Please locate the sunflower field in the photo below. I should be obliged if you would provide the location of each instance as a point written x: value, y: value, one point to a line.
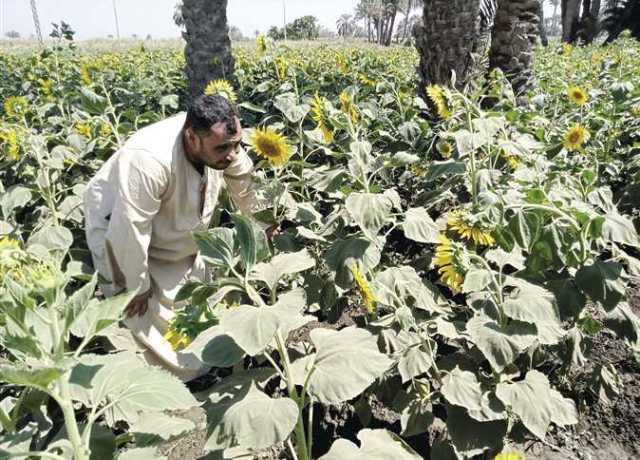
x: 442, y: 270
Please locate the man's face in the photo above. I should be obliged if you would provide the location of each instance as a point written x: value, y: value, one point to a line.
x: 217, y: 148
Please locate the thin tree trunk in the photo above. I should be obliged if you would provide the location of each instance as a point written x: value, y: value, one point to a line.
x: 570, y: 19
x: 208, y: 49
x: 391, y: 26
x: 555, y: 17
x: 541, y: 27
x: 514, y: 33
x: 445, y: 40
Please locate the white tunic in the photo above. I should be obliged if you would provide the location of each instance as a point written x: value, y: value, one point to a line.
x: 140, y: 210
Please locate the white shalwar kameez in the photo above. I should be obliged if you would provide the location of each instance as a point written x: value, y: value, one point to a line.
x: 140, y: 210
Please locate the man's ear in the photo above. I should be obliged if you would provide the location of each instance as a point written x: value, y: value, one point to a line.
x: 191, y: 137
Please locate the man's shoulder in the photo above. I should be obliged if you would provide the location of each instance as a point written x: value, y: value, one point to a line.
x: 157, y: 141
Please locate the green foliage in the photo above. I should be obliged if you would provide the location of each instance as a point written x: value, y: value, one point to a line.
x: 468, y: 254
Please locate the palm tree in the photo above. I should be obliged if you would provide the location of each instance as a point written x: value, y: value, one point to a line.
x: 514, y: 34
x: 570, y: 11
x: 345, y: 25
x: 208, y: 49
x: 449, y: 33
x: 621, y: 15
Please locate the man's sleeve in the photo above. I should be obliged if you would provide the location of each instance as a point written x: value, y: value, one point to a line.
x: 141, y: 182
x: 242, y: 188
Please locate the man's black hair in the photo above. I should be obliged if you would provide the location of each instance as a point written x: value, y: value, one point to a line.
x: 205, y: 111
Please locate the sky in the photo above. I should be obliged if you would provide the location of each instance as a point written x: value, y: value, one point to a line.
x: 95, y: 18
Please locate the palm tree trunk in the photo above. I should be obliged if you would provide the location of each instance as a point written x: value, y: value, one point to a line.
x: 570, y: 11
x: 555, y: 17
x: 208, y: 49
x: 445, y: 40
x: 541, y: 27
x: 392, y: 24
x: 514, y: 34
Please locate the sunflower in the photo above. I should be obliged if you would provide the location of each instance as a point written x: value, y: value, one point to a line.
x: 575, y: 137
x: 509, y: 455
x: 281, y: 67
x: 82, y: 128
x: 366, y: 80
x: 439, y: 100
x: 8, y: 244
x: 46, y: 86
x: 445, y: 148
x: 458, y: 222
x: 418, y: 170
x: 450, y: 269
x: 15, y: 106
x: 348, y: 106
x: 342, y: 62
x: 105, y: 129
x: 368, y: 298
x: 578, y: 95
x: 272, y: 145
x: 221, y: 87
x: 567, y: 49
x: 261, y: 42
x: 9, y: 140
x: 85, y: 75
x: 320, y: 117
x: 177, y: 339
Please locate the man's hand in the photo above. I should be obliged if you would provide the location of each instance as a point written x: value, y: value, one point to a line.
x: 138, y: 305
x: 272, y: 231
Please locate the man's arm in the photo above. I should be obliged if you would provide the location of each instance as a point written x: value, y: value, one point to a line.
x: 242, y: 188
x: 141, y: 182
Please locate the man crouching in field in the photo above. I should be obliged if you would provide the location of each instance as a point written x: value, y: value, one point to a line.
x: 145, y: 201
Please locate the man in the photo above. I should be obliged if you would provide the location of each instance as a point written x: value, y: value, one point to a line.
x: 147, y: 199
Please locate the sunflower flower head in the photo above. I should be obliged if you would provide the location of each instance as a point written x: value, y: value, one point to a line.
x: 83, y: 128
x: 319, y: 115
x: 15, y: 106
x: 347, y: 105
x: 177, y: 339
x: 575, y: 137
x: 8, y: 244
x: 469, y: 229
x: 366, y: 80
x: 578, y: 95
x: 10, y: 143
x: 445, y: 149
x: 418, y: 170
x: 46, y: 86
x: 438, y: 98
x: 105, y: 129
x: 221, y: 87
x: 567, y: 49
x: 85, y: 74
x: 509, y: 455
x: 271, y: 145
x: 450, y: 262
x: 281, y: 67
x: 342, y: 62
x: 368, y: 299
x: 261, y: 43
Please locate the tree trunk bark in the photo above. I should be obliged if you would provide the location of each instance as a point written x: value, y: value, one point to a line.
x: 391, y: 26
x: 555, y: 17
x: 208, y: 49
x: 541, y: 27
x: 445, y: 40
x: 570, y: 19
x: 514, y: 34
